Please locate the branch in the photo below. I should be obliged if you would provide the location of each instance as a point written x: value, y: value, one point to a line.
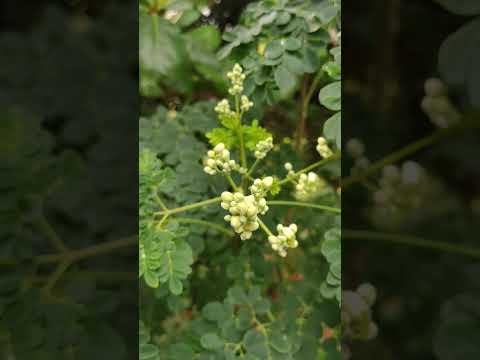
x: 409, y: 150
x: 189, y: 207
x: 320, y: 163
x: 411, y: 241
x: 305, y: 204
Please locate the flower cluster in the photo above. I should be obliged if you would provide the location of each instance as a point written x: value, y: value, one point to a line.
x: 356, y: 149
x: 285, y: 239
x: 263, y: 147
x: 223, y: 108
x: 356, y: 316
x: 400, y: 187
x: 437, y: 105
x: 260, y: 187
x: 236, y: 77
x: 218, y: 160
x: 289, y: 167
x: 244, y: 212
x: 323, y: 148
x: 246, y: 104
x: 309, y: 186
x: 407, y: 193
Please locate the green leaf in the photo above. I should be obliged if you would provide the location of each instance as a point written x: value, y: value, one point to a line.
x: 293, y: 44
x: 149, y: 352
x: 274, y: 49
x: 211, y: 341
x: 256, y: 344
x: 220, y: 135
x: 176, y: 260
x: 331, y: 96
x: 285, y: 79
x: 280, y: 342
x: 180, y: 351
x: 188, y: 17
x: 458, y: 59
x: 332, y: 250
x: 161, y: 48
x: 283, y: 18
x: 253, y: 134
x: 332, y: 130
x: 294, y: 64
x: 461, y: 7
x: 214, y: 311
x: 206, y: 36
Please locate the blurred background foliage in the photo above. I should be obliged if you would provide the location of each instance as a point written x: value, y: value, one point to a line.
x: 286, y: 49
x: 428, y: 301
x: 68, y: 170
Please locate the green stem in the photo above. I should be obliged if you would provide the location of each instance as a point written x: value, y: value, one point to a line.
x: 46, y: 229
x: 265, y: 228
x: 305, y: 204
x: 231, y: 182
x: 243, y: 156
x: 411, y: 241
x: 56, y: 275
x: 409, y: 150
x: 105, y: 276
x: 313, y: 86
x: 212, y: 225
x: 320, y: 163
x: 163, y: 219
x: 160, y: 202
x: 89, y: 252
x: 189, y: 207
x: 257, y: 161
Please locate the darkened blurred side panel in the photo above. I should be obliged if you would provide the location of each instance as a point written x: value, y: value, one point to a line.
x: 68, y: 180
x: 411, y: 179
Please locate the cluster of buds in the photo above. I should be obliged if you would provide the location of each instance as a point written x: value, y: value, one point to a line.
x: 356, y: 315
x: 437, y: 105
x: 323, y: 148
x: 285, y: 239
x: 223, y: 108
x: 236, y: 77
x: 218, y: 160
x: 263, y: 147
x: 309, y: 186
x: 400, y: 187
x: 405, y: 194
x: 246, y: 104
x: 356, y: 149
x: 260, y: 187
x: 244, y: 212
x: 289, y: 167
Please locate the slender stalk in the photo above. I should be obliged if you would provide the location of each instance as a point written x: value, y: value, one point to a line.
x: 409, y: 150
x: 252, y: 168
x: 160, y: 202
x: 231, y: 182
x: 306, y: 94
x: 189, y: 207
x: 46, y: 229
x: 56, y: 275
x: 163, y: 219
x: 265, y: 228
x: 209, y: 224
x: 105, y: 276
x: 305, y: 204
x: 243, y: 156
x: 411, y: 241
x: 315, y: 165
x: 92, y: 251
